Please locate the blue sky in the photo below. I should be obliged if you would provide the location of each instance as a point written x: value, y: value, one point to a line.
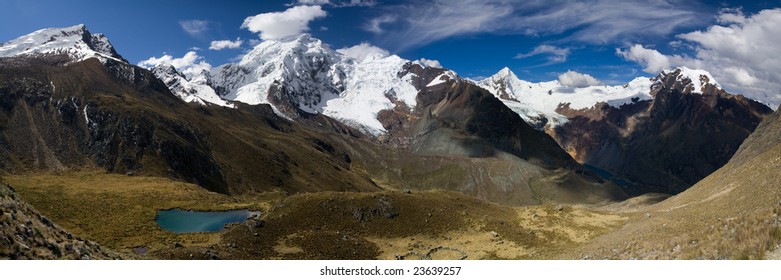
x: 538, y: 40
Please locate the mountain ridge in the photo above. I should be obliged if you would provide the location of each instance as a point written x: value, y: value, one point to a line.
x: 125, y: 119
x: 380, y: 94
x: 75, y: 41
x: 667, y: 143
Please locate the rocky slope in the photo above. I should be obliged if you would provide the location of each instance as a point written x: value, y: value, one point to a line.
x: 121, y: 118
x: 26, y: 234
x: 666, y: 144
x: 659, y: 135
x: 483, y: 148
x: 731, y: 214
x: 481, y: 125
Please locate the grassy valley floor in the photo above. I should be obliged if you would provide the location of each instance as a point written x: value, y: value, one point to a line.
x: 118, y: 212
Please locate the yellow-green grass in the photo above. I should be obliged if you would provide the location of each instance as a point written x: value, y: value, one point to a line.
x: 731, y: 214
x: 118, y: 211
x: 383, y: 225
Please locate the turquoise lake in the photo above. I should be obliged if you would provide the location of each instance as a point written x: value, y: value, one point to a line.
x: 184, y: 221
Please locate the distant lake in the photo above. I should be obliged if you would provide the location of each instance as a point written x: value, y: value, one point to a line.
x: 604, y: 174
x: 184, y: 221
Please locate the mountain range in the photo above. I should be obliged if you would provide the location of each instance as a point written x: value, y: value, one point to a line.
x: 110, y: 114
x: 617, y: 131
x: 295, y: 116
x: 659, y: 134
x: 652, y: 134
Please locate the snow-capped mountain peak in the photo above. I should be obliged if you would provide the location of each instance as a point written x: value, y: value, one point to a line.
x: 195, y: 89
x: 504, y: 76
x: 302, y: 74
x: 75, y: 41
x: 505, y: 73
x: 691, y: 80
x: 165, y: 70
x: 537, y: 103
x: 287, y: 46
x: 308, y: 69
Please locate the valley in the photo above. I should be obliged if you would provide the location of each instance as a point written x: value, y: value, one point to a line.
x: 328, y: 155
x: 118, y: 211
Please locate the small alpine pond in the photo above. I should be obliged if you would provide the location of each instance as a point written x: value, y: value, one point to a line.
x: 185, y: 221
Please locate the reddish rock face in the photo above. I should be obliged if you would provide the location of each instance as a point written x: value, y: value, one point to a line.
x: 477, y: 117
x: 665, y: 144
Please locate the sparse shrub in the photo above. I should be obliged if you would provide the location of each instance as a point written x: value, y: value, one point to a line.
x: 56, y: 251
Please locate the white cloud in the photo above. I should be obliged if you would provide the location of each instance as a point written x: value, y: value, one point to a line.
x: 361, y: 51
x: 741, y: 52
x: 375, y: 25
x: 578, y: 80
x: 675, y: 44
x: 653, y: 61
x: 189, y: 64
x: 195, y: 27
x: 555, y: 54
x: 430, y: 63
x: 226, y: 44
x: 595, y: 21
x: 254, y: 42
x: 741, y: 76
x: 727, y: 16
x: 276, y: 25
